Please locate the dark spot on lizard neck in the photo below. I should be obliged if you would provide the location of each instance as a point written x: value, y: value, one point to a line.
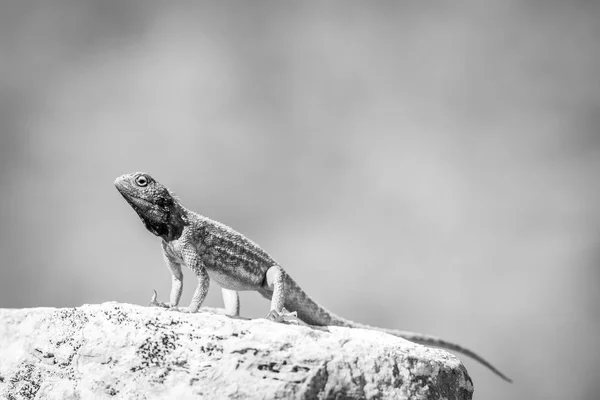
x: 177, y: 221
x: 170, y: 227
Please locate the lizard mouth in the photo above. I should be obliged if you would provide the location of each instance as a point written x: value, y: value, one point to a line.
x: 141, y: 202
x: 137, y: 203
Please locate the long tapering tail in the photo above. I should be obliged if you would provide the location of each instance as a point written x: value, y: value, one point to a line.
x: 312, y: 313
x: 427, y: 340
x: 434, y: 341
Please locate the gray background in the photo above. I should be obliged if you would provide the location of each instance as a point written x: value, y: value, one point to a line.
x: 424, y: 167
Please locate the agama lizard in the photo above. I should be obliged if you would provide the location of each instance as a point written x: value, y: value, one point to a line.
x: 215, y: 251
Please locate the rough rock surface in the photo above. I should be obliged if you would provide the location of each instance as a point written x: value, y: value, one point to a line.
x: 114, y: 350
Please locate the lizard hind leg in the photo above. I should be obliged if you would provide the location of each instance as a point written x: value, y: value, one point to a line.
x: 276, y: 284
x: 231, y: 299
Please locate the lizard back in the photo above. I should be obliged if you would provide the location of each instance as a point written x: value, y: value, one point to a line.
x: 231, y: 259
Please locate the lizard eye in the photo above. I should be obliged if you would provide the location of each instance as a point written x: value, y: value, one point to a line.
x: 141, y: 181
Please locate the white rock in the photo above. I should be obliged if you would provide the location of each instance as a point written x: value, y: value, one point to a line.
x: 116, y: 350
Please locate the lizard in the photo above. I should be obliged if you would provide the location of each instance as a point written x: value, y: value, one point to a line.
x: 214, y: 251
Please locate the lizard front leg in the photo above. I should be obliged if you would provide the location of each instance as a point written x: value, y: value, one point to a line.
x: 192, y: 260
x: 231, y: 299
x: 176, y: 282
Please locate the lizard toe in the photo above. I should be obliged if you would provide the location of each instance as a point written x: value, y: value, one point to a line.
x: 155, y: 303
x: 284, y: 317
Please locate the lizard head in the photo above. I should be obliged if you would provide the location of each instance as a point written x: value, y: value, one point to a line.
x: 157, y: 207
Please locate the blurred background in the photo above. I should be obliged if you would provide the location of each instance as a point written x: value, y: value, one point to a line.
x: 425, y: 167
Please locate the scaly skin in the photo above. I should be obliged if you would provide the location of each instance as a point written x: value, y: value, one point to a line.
x: 215, y: 251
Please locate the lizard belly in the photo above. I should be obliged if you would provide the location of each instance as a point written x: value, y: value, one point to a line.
x: 229, y: 279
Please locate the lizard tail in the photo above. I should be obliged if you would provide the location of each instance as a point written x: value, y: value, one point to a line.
x: 432, y: 341
x: 312, y: 313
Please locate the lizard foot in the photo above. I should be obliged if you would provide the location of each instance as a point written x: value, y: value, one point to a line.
x: 154, y: 303
x: 284, y: 317
x: 185, y: 310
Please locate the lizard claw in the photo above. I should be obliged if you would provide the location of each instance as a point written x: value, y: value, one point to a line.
x: 154, y: 303
x: 284, y: 317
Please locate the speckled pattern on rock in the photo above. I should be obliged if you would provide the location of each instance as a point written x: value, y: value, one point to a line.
x: 114, y: 350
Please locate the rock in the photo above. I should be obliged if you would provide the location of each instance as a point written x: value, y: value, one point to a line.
x: 114, y: 350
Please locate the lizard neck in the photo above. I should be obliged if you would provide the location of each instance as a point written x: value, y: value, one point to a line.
x: 177, y: 220
x: 169, y: 224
